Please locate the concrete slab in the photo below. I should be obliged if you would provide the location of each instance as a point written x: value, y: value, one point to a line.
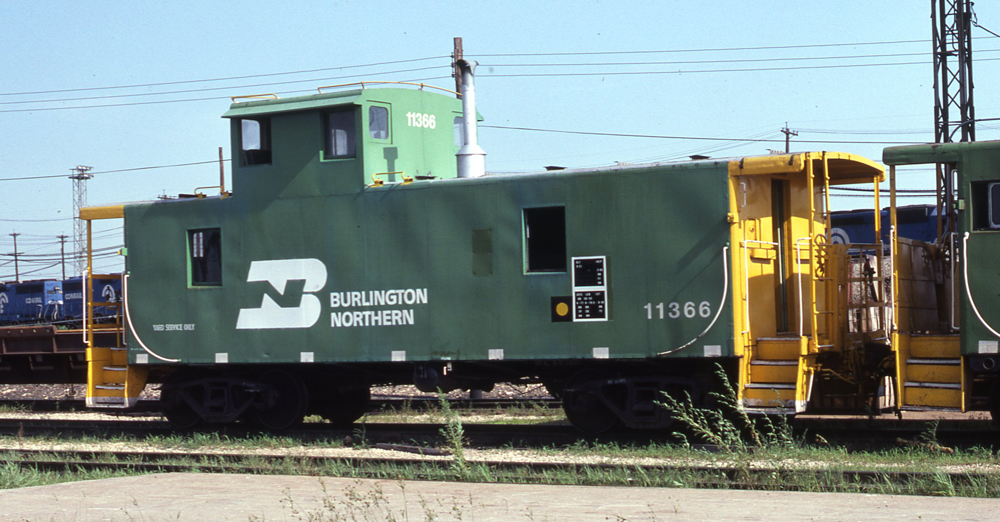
x: 196, y: 497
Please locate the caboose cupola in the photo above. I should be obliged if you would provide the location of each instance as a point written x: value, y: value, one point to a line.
x: 340, y: 142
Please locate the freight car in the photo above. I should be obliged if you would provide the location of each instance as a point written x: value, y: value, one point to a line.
x: 355, y: 250
x: 57, y: 302
x: 364, y: 243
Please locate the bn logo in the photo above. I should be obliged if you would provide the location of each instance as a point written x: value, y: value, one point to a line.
x: 278, y: 272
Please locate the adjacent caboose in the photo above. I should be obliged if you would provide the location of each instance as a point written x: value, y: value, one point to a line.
x: 947, y: 325
x: 355, y: 249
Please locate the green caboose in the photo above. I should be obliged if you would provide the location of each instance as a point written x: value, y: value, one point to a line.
x: 353, y: 251
x: 948, y: 307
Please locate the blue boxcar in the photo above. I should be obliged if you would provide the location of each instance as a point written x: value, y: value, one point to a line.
x: 858, y: 226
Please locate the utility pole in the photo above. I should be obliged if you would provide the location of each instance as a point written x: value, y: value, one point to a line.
x: 951, y: 26
x: 62, y: 253
x: 17, y: 272
x: 788, y: 134
x: 80, y: 176
x: 457, y: 55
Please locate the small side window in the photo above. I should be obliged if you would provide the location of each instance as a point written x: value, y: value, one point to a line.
x: 255, y: 141
x: 985, y: 197
x: 205, y: 250
x: 545, y: 239
x: 339, y: 135
x: 378, y: 123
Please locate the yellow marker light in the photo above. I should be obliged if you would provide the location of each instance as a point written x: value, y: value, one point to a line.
x: 562, y: 309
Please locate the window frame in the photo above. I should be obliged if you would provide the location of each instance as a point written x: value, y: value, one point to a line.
x: 203, y: 271
x: 264, y: 142
x: 324, y: 151
x: 546, y: 238
x: 388, y: 122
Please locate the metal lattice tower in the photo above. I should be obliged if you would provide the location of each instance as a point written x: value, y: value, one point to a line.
x: 951, y: 22
x: 953, y: 107
x: 80, y: 176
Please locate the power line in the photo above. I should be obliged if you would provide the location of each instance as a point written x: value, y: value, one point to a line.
x: 180, y: 82
x: 696, y: 62
x: 699, y: 71
x: 134, y: 169
x: 702, y: 138
x: 211, y: 89
x: 711, y: 49
x: 185, y: 100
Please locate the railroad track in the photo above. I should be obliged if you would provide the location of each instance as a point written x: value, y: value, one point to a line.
x: 480, y: 435
x: 700, y: 476
x: 853, y: 433
x: 377, y: 404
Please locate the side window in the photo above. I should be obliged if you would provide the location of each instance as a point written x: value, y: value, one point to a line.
x: 378, y: 122
x: 985, y: 205
x: 339, y: 135
x: 205, y: 251
x: 545, y: 239
x: 255, y: 141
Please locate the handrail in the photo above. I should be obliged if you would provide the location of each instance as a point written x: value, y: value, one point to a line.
x: 379, y: 182
x: 968, y: 291
x: 253, y: 97
x: 362, y: 84
x: 798, y: 270
x: 954, y: 305
x: 128, y: 319
x: 722, y: 304
x: 200, y: 195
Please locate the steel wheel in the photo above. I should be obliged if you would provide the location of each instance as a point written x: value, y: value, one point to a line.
x: 176, y: 409
x: 345, y: 406
x: 282, y: 404
x: 583, y: 406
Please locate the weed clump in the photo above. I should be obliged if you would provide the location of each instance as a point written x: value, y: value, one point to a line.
x: 454, y: 436
x: 728, y: 426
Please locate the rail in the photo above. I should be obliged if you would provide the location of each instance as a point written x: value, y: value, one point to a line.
x: 968, y: 290
x: 362, y: 84
x: 251, y: 97
x: 722, y: 304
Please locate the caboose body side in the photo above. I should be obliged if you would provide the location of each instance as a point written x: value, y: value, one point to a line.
x: 350, y: 253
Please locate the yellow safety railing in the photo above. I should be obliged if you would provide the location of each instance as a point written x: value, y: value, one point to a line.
x: 251, y: 97
x: 362, y: 84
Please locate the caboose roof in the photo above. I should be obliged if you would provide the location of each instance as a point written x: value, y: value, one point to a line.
x: 932, y: 152
x: 254, y: 107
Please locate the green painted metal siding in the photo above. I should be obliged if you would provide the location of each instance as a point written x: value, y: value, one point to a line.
x: 662, y: 230
x: 977, y: 164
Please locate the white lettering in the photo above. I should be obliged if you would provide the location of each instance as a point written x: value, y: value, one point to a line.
x: 373, y: 318
x: 375, y: 298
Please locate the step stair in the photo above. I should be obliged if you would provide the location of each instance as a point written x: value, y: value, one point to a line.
x: 771, y: 383
x: 931, y: 374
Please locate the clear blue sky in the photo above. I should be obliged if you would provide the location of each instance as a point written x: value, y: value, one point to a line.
x: 750, y: 92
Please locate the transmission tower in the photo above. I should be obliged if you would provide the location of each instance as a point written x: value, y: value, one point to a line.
x: 80, y: 176
x: 951, y: 23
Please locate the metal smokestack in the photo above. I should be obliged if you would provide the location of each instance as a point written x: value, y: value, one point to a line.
x: 471, y: 157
